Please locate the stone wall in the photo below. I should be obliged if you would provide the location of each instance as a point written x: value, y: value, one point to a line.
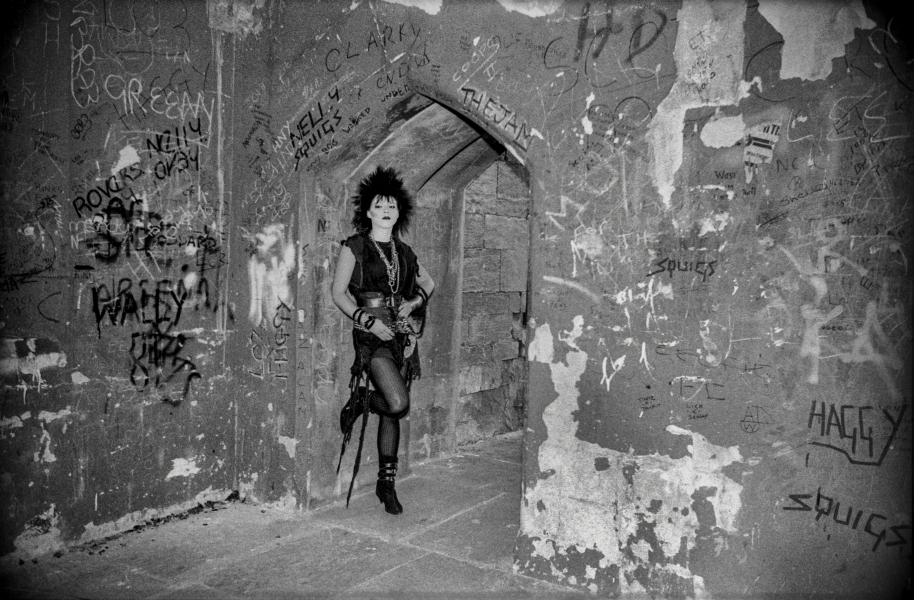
x: 496, y: 258
x: 718, y: 321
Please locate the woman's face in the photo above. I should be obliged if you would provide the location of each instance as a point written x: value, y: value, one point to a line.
x: 383, y: 212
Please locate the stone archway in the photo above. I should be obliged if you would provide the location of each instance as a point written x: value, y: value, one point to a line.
x: 438, y: 154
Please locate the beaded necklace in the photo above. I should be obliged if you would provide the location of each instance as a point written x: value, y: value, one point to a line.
x: 393, y: 270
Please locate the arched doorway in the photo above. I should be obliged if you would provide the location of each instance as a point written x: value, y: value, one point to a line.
x: 473, y: 365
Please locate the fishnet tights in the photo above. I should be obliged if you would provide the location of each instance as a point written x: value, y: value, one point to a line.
x: 391, y: 403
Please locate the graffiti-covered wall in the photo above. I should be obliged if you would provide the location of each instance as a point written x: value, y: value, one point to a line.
x: 114, y: 255
x: 718, y: 393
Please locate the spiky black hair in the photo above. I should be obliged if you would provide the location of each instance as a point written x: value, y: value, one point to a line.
x: 381, y: 182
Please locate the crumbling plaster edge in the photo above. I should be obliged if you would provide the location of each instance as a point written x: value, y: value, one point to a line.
x: 31, y: 546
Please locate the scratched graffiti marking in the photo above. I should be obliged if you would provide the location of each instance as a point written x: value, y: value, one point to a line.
x: 480, y: 103
x: 270, y: 346
x: 755, y: 417
x: 317, y: 125
x: 871, y: 344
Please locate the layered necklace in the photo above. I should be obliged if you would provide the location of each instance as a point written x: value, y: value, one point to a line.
x: 392, y: 265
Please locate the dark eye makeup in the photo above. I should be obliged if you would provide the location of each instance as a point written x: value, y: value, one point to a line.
x: 385, y: 203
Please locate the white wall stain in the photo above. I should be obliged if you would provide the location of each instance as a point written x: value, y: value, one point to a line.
x: 587, y: 508
x: 588, y: 126
x: 12, y: 364
x: 829, y: 233
x: 14, y: 422
x: 532, y: 8
x: 248, y: 487
x: 432, y: 7
x: 814, y: 318
x: 814, y: 33
x: 289, y: 443
x: 48, y: 416
x: 585, y: 121
x: 709, y: 67
x: 41, y: 536
x: 183, y: 467
x: 704, y: 468
x: 130, y: 520
x: 587, y: 245
x: 570, y: 337
x: 713, y: 224
x: 45, y: 456
x: 623, y: 296
x: 78, y: 378
x: 573, y: 285
x: 270, y: 273
x: 723, y: 132
x: 427, y: 445
x: 712, y: 356
x: 541, y: 348
x: 864, y: 350
x: 127, y: 156
x: 235, y: 16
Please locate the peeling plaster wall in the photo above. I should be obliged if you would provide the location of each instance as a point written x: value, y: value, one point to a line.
x: 709, y: 59
x: 719, y: 393
x: 658, y: 506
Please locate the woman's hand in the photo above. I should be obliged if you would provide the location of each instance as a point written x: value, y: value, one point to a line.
x: 381, y: 331
x: 408, y: 306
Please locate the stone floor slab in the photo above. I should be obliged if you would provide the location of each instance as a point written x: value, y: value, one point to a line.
x: 437, y: 574
x: 440, y: 577
x: 471, y: 471
x: 454, y: 540
x: 29, y: 594
x: 484, y: 534
x: 424, y: 504
x: 196, y: 592
x: 74, y: 571
x: 507, y: 448
x: 330, y: 559
x: 115, y: 581
x: 170, y: 551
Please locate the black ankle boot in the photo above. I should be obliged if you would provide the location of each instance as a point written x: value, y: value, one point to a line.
x: 385, y: 491
x: 352, y: 410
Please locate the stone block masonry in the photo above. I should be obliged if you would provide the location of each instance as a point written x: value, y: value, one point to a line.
x: 496, y: 258
x: 481, y: 270
x: 506, y: 233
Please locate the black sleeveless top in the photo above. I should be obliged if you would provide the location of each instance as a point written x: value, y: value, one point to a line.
x: 370, y: 273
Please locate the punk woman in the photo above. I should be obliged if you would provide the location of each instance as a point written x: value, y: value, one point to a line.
x: 381, y: 285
